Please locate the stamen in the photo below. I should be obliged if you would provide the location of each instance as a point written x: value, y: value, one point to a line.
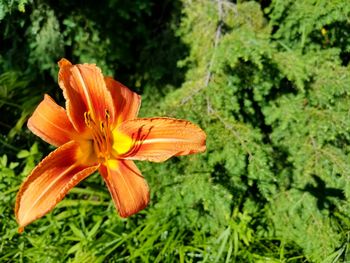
x: 87, y: 118
x: 100, y: 133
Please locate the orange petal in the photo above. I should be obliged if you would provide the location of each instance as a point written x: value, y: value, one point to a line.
x: 126, y: 102
x: 85, y: 90
x: 50, y: 122
x: 49, y: 182
x: 157, y: 139
x: 126, y: 185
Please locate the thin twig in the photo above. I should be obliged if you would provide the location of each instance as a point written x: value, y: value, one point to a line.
x: 208, y: 78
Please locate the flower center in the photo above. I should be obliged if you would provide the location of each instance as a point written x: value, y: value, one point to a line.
x: 101, y: 135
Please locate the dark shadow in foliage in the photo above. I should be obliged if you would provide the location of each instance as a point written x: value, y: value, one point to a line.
x: 246, y: 71
x: 143, y: 45
x: 252, y: 114
x: 252, y: 191
x: 323, y: 193
x: 220, y: 176
x: 284, y: 87
x: 280, y: 156
x: 332, y: 36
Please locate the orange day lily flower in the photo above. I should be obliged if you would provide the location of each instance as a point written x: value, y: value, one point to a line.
x: 99, y: 130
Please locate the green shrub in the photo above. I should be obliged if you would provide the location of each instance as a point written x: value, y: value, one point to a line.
x: 268, y: 81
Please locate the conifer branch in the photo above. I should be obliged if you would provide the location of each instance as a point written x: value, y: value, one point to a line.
x: 218, y: 33
x: 208, y: 77
x: 210, y: 109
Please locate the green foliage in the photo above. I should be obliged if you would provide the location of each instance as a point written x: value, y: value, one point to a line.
x: 45, y: 38
x: 268, y: 81
x: 10, y: 6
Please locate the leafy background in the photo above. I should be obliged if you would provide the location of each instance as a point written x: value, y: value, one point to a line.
x: 268, y: 81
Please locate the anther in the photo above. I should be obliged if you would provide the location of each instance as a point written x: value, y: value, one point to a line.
x: 87, y: 118
x: 102, y: 126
